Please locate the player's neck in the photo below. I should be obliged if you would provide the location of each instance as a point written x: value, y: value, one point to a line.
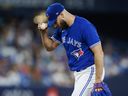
x: 70, y: 19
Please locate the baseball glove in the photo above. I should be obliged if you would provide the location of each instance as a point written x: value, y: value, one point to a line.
x: 101, y: 89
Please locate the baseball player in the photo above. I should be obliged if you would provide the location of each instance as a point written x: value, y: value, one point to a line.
x: 82, y: 44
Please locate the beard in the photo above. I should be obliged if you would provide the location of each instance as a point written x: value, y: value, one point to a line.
x: 63, y: 24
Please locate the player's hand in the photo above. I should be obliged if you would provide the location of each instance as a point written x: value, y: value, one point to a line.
x: 40, y: 18
x: 98, y: 87
x: 42, y: 26
x: 101, y: 89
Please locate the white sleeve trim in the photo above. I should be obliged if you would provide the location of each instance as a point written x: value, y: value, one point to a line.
x: 99, y: 42
x: 54, y: 39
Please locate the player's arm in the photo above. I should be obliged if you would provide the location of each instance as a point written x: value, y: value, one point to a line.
x: 100, y: 88
x: 99, y: 61
x: 92, y: 39
x: 48, y: 43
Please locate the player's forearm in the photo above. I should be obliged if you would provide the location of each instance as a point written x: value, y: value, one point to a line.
x: 47, y: 42
x: 99, y: 63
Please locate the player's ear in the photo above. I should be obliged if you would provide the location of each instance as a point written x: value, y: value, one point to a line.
x: 62, y: 14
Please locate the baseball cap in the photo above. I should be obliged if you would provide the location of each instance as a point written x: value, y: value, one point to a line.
x: 52, y: 12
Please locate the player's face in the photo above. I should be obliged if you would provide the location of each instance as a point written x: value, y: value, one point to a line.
x: 60, y: 22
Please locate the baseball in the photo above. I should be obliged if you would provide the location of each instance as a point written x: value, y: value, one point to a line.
x: 42, y: 26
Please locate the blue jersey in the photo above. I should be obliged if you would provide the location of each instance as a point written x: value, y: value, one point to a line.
x: 77, y: 41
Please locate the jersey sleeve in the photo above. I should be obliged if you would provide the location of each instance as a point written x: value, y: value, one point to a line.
x: 57, y: 36
x: 90, y: 35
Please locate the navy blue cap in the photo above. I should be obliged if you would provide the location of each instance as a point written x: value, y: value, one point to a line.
x: 52, y: 12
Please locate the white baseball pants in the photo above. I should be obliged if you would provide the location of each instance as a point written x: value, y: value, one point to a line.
x: 84, y: 81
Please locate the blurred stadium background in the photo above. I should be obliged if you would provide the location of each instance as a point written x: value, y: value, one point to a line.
x: 27, y: 69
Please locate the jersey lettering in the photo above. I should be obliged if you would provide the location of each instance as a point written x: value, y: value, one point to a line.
x: 74, y: 42
x: 63, y: 39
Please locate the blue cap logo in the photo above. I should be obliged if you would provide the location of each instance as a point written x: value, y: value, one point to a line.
x: 52, y: 12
